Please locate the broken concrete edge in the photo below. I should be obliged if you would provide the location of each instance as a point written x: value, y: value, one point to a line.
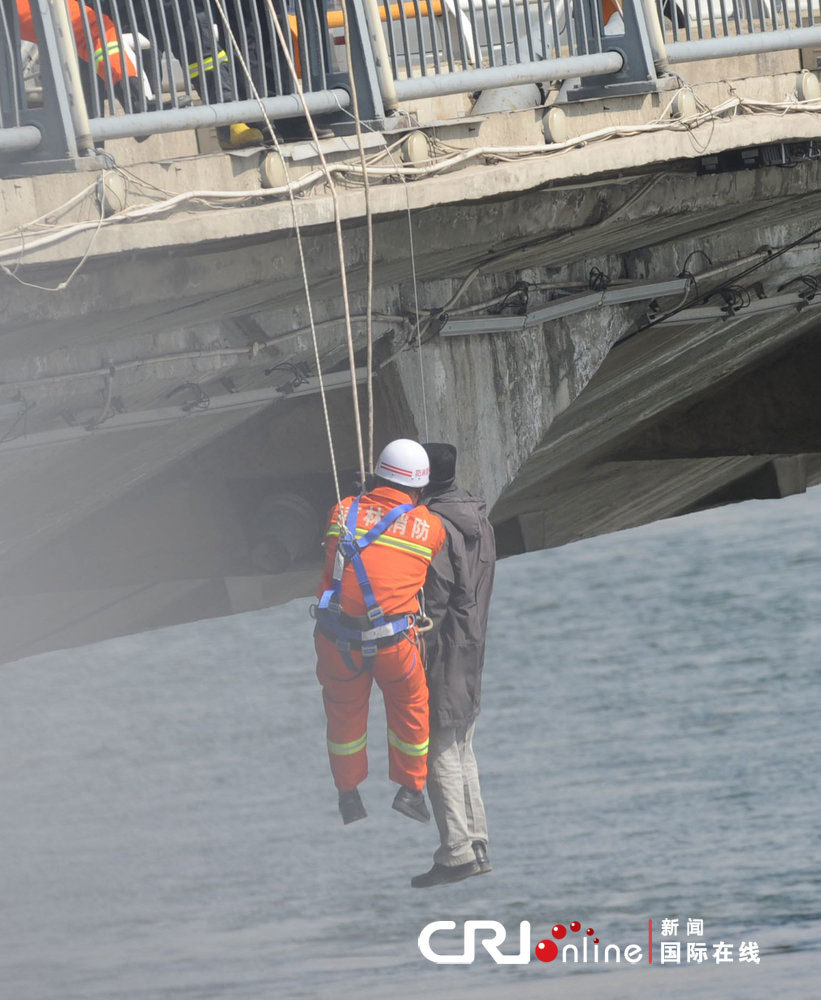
x: 632, y: 155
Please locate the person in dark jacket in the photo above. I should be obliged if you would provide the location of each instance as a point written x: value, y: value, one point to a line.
x: 457, y: 599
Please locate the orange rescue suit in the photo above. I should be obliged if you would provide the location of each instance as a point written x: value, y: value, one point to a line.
x: 116, y: 58
x: 396, y: 564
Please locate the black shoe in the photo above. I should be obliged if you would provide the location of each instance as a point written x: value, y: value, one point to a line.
x: 482, y: 859
x: 350, y: 805
x: 412, y: 803
x: 444, y: 874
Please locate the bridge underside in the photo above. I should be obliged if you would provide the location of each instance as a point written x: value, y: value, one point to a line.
x: 137, y: 495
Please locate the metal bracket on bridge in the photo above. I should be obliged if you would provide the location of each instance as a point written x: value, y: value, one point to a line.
x: 638, y: 74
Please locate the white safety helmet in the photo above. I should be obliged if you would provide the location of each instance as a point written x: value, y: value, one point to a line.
x: 404, y: 462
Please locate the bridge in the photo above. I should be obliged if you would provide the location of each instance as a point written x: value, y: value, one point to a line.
x: 580, y: 240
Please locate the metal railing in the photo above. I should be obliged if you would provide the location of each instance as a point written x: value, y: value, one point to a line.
x: 705, y: 29
x: 500, y: 42
x: 137, y: 56
x: 698, y: 19
x: 76, y: 72
x: 446, y: 35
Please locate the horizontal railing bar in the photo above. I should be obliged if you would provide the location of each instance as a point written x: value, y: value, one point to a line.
x: 465, y: 81
x: 742, y: 45
x: 19, y: 139
x: 319, y: 102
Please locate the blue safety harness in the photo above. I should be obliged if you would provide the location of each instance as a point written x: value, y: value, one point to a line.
x: 342, y: 629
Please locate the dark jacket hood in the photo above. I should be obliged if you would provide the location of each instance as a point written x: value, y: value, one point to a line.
x: 465, y: 511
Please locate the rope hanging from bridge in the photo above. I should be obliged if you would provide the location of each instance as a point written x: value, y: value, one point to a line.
x: 305, y: 280
x: 340, y: 247
x: 337, y: 226
x: 369, y: 225
x: 419, y: 324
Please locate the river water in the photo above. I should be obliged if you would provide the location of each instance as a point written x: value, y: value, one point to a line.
x: 649, y: 748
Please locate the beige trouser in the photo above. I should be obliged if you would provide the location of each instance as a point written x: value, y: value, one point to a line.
x: 453, y: 788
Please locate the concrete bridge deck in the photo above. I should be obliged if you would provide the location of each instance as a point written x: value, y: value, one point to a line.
x: 163, y: 452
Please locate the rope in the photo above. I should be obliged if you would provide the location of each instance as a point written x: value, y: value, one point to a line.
x: 389, y: 153
x: 305, y: 281
x: 369, y: 223
x: 416, y: 309
x: 337, y: 226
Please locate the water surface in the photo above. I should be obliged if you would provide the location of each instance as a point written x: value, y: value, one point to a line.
x: 649, y: 749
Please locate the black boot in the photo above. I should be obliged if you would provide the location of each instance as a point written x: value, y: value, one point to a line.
x: 298, y: 130
x: 482, y: 860
x: 350, y: 806
x: 412, y: 803
x: 444, y: 874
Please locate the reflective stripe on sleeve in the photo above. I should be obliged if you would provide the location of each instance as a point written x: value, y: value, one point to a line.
x: 411, y: 749
x: 345, y: 749
x: 112, y: 48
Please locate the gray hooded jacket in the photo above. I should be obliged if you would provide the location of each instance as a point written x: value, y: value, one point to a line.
x: 457, y: 598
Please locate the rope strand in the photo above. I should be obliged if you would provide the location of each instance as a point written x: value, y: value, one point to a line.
x: 337, y: 226
x: 305, y: 280
x: 369, y: 224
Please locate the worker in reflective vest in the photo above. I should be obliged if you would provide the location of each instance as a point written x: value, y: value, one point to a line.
x: 200, y: 39
x: 378, y: 548
x: 104, y: 42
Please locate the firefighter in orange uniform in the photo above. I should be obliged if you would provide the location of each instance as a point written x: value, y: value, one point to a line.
x: 121, y: 64
x: 378, y: 548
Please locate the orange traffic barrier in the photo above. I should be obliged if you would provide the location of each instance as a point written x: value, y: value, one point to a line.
x: 336, y: 18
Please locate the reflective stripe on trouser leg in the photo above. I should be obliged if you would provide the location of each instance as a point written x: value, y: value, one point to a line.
x: 399, y: 673
x: 207, y: 64
x: 345, y: 697
x: 453, y: 789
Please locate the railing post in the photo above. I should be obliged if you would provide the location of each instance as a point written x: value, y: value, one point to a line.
x: 366, y: 77
x: 62, y: 120
x: 657, y: 44
x: 12, y: 94
x: 380, y: 53
x: 64, y: 59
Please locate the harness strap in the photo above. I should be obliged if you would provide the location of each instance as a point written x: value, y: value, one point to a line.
x: 349, y: 550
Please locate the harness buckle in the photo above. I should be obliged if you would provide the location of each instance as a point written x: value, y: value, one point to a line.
x: 375, y: 613
x: 312, y: 610
x: 350, y: 548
